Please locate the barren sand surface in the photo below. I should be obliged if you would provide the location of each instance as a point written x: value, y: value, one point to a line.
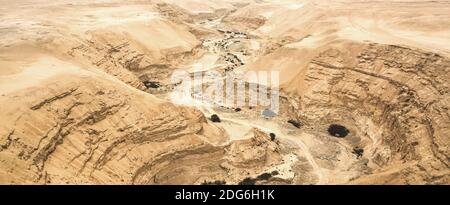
x: 86, y: 92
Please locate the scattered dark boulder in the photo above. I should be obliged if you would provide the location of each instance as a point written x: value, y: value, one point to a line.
x: 152, y: 84
x: 264, y: 176
x: 215, y: 118
x: 217, y: 182
x: 237, y: 109
x: 272, y: 136
x: 295, y: 123
x: 247, y: 181
x: 358, y: 152
x: 336, y: 130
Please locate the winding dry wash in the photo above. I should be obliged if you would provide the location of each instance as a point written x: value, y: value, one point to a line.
x: 86, y: 92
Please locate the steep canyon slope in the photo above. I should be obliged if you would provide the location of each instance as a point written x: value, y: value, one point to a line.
x: 84, y: 89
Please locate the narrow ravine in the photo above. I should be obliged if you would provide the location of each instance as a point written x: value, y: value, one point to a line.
x: 220, y: 46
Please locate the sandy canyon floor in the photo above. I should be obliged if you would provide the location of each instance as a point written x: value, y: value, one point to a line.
x: 85, y: 92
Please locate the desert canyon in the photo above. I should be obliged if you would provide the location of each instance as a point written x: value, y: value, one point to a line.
x: 85, y: 92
